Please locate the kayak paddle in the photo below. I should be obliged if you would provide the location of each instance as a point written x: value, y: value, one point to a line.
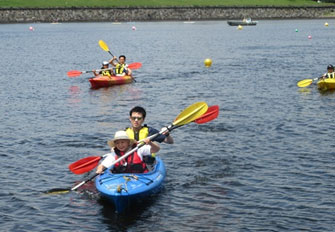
x: 104, y: 47
x: 75, y: 73
x: 89, y: 163
x: 85, y: 164
x: 135, y: 65
x: 306, y: 82
x: 188, y: 115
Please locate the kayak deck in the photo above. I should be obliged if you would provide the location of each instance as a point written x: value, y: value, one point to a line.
x: 326, y: 84
x: 106, y: 81
x: 123, y: 189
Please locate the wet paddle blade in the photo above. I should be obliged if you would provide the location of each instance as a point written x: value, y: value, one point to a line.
x: 84, y: 165
x: 103, y: 45
x: 191, y: 113
x: 135, y: 65
x: 211, y: 114
x: 74, y: 73
x: 57, y: 191
x: 304, y: 83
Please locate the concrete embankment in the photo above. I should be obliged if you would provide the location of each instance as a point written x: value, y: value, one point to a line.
x: 21, y: 15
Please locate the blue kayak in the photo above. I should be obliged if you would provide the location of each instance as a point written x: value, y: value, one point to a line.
x: 123, y: 189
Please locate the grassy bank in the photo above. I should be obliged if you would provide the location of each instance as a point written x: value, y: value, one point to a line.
x: 153, y: 3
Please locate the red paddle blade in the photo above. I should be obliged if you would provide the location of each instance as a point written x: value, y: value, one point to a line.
x: 74, y: 73
x: 211, y: 114
x: 135, y: 65
x: 84, y: 165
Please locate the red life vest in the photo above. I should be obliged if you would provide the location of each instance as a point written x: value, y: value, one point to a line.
x: 131, y: 164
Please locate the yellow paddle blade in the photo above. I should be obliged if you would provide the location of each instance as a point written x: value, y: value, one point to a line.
x: 191, y: 113
x: 103, y: 45
x: 305, y: 83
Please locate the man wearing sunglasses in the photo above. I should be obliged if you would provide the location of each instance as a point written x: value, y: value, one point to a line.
x: 138, y: 131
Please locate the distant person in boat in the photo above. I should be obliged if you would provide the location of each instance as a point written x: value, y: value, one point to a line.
x: 138, y: 131
x: 134, y: 163
x: 108, y: 72
x: 246, y: 20
x: 330, y: 72
x: 121, y: 68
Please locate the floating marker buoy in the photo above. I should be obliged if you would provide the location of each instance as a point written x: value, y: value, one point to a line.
x: 309, y: 37
x: 326, y: 24
x: 133, y: 28
x: 239, y: 27
x: 296, y: 30
x: 31, y: 28
x: 208, y: 62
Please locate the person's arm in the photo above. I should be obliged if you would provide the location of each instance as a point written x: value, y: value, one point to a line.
x: 106, y: 163
x: 154, y: 147
x: 95, y: 73
x: 159, y: 138
x: 129, y: 72
x: 100, y: 169
x: 168, y: 139
x: 113, y: 61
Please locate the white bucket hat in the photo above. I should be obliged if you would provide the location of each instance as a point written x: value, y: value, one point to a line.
x: 118, y: 136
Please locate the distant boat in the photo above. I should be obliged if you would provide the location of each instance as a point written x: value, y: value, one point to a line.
x: 244, y: 22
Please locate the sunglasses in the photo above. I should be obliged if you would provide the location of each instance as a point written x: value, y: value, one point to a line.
x: 136, y: 118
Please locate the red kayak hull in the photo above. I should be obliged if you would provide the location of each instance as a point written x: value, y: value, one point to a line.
x: 106, y: 81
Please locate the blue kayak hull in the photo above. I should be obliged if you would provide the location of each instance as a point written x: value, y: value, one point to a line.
x: 126, y: 188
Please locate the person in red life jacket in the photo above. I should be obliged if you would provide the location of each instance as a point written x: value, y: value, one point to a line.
x: 134, y: 163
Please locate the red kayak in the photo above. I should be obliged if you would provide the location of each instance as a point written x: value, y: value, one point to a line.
x: 106, y: 81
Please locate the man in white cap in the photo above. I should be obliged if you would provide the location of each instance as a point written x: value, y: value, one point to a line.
x: 133, y: 163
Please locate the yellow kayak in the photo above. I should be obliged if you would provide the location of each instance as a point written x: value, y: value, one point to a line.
x: 326, y: 84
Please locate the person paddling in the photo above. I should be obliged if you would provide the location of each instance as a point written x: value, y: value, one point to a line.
x: 108, y: 72
x: 138, y: 131
x: 330, y: 72
x: 133, y: 163
x: 121, y: 68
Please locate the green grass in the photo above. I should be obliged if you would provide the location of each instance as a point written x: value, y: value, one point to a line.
x: 153, y: 3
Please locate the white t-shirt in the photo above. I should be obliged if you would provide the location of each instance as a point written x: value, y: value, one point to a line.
x: 111, y: 157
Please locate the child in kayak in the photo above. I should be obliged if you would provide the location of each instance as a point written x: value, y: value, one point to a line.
x: 133, y: 163
x: 108, y: 72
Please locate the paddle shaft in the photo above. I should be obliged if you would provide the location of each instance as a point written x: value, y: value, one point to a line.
x: 98, y: 70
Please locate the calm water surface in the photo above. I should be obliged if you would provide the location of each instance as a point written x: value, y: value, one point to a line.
x: 266, y: 164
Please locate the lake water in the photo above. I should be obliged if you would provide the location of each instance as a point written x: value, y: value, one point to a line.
x: 267, y: 163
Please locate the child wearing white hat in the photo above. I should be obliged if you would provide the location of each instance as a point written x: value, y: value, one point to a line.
x: 133, y: 163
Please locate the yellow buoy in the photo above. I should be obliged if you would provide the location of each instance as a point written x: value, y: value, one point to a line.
x: 239, y: 27
x: 326, y: 24
x: 208, y: 62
